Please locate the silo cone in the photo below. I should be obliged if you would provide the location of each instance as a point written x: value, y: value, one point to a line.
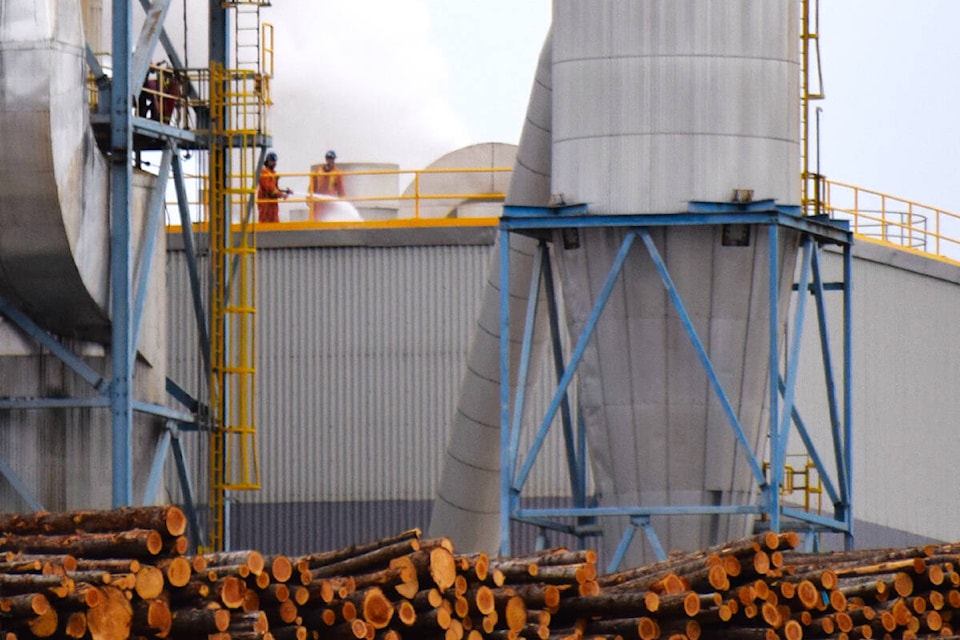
x: 467, y: 505
x: 656, y: 104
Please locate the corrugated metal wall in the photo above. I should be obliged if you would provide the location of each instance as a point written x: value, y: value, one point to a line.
x: 361, y: 356
x: 361, y: 353
x: 906, y: 372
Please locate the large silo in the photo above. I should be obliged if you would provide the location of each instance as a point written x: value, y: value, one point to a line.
x: 657, y: 104
x: 652, y: 105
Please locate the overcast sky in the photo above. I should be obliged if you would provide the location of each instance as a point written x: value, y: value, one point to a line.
x: 401, y: 82
x: 405, y: 81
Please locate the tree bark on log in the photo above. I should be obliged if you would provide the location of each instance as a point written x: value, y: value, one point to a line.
x: 134, y: 543
x: 169, y: 520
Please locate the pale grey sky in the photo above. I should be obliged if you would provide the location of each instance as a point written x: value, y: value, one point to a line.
x: 892, y: 79
x: 401, y: 82
x: 405, y: 81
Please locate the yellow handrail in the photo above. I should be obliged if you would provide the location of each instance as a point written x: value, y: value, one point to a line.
x: 894, y: 221
x: 873, y: 215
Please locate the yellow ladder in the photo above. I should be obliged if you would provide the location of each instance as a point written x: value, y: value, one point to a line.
x: 810, y: 196
x: 237, y: 123
x: 249, y: 34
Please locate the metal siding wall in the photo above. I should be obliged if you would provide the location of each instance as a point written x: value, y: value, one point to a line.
x: 361, y: 352
x: 906, y: 365
x: 298, y: 528
x: 906, y: 362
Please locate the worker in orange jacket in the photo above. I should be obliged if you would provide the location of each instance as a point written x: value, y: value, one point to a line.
x: 327, y: 182
x: 269, y: 191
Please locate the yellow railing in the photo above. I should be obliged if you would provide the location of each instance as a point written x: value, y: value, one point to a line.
x: 901, y: 223
x: 432, y: 198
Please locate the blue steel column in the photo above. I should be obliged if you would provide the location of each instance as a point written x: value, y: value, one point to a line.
x: 121, y: 177
x: 848, y: 389
x: 506, y: 468
x: 773, y: 486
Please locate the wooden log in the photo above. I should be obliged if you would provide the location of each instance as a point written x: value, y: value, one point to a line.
x: 169, y: 520
x: 198, y: 621
x: 443, y: 569
x: 111, y: 619
x: 76, y: 625
x: 316, y: 560
x: 149, y: 582
x: 375, y: 608
x: 191, y: 592
x: 439, y: 618
x: 230, y: 591
x: 19, y: 565
x: 746, y: 547
x: 34, y: 583
x: 400, y: 574
x: 253, y: 621
x: 45, y: 624
x: 280, y: 567
x: 551, y: 557
x: 177, y: 571
x: 252, y: 560
x: 284, y: 613
x: 612, y: 603
x: 106, y: 565
x: 84, y: 596
x: 277, y: 593
x: 370, y: 561
x: 151, y: 617
x: 24, y: 605
x: 251, y: 601
x: 514, y: 613
x: 431, y: 598
x: 135, y: 543
x: 289, y: 632
x: 406, y: 613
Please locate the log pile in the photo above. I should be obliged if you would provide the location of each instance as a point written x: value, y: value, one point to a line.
x: 126, y: 573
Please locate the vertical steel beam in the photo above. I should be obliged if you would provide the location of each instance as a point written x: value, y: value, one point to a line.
x: 788, y: 389
x: 121, y: 179
x: 773, y: 487
x: 577, y: 484
x: 154, y: 224
x: 219, y: 33
x: 506, y: 476
x: 575, y: 357
x: 848, y: 389
x: 147, y: 42
x: 190, y: 251
x: 840, y: 451
x: 526, y: 347
x: 155, y: 477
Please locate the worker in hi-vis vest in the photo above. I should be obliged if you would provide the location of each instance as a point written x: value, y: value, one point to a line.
x: 326, y: 182
x: 269, y: 192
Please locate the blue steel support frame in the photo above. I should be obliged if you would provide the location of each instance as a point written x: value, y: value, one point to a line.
x: 128, y: 281
x: 815, y: 231
x: 121, y: 179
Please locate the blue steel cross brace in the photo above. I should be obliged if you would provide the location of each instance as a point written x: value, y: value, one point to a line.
x: 814, y: 232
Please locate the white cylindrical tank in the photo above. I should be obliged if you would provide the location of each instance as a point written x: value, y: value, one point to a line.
x: 656, y: 104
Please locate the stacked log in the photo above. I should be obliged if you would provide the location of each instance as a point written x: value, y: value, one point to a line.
x: 126, y: 573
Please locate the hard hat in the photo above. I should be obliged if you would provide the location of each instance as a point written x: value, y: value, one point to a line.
x: 331, y: 154
x: 271, y: 156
